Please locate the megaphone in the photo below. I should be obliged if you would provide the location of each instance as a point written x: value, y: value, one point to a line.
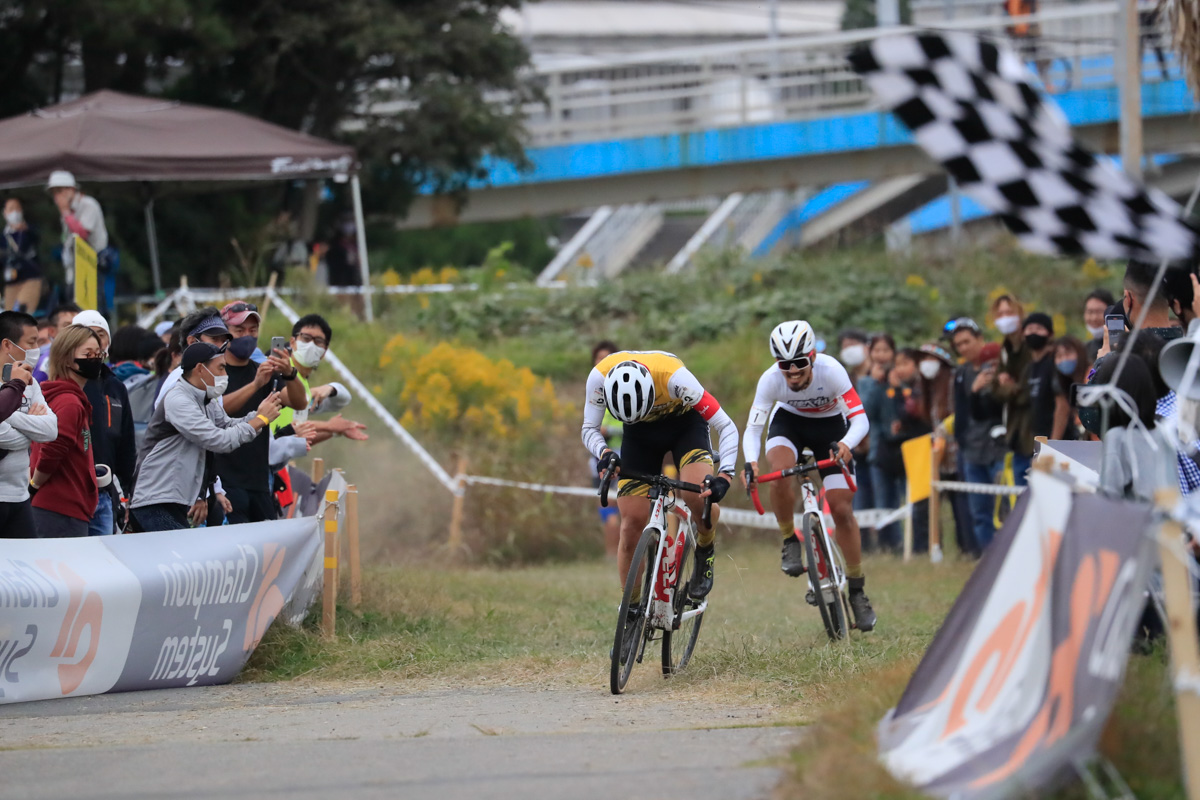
x: 1173, y: 363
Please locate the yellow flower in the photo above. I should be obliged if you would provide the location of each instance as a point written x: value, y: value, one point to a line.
x: 756, y: 277
x: 934, y: 293
x: 585, y: 261
x: 914, y: 280
x: 448, y: 275
x: 423, y: 301
x: 391, y: 277
x: 1094, y: 271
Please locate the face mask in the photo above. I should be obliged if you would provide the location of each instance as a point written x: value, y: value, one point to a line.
x: 1068, y: 367
x: 929, y: 369
x: 308, y: 355
x: 243, y: 347
x: 88, y: 368
x: 14, y: 218
x: 1008, y: 324
x: 219, y: 385
x: 1096, y: 332
x: 1036, y: 341
x: 31, y: 355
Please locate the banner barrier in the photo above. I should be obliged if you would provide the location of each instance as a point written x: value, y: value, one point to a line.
x: 1019, y: 681
x: 143, y: 611
x: 310, y: 504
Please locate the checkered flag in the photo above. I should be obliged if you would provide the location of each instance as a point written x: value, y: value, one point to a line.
x: 973, y: 107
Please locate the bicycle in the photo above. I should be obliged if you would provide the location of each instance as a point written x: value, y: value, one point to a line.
x: 664, y: 605
x: 825, y: 565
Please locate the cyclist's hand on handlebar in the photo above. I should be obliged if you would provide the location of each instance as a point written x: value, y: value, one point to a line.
x: 750, y: 473
x: 842, y: 454
x: 716, y: 486
x: 609, y: 460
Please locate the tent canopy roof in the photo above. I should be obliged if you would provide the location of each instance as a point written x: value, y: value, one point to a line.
x: 112, y: 137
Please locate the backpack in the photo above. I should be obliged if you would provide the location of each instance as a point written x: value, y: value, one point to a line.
x: 142, y: 390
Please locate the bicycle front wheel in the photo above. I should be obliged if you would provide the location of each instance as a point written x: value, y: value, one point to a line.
x: 678, y: 644
x: 628, y: 640
x: 826, y: 594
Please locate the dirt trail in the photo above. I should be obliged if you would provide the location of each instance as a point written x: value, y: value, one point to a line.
x: 305, y: 740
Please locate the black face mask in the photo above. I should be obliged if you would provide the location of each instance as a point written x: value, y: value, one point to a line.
x: 243, y: 347
x: 1036, y: 341
x: 89, y: 368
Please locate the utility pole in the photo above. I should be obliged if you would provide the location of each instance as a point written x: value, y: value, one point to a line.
x: 1129, y: 83
x: 887, y: 13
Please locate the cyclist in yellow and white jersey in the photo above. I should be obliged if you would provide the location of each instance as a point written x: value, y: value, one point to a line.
x: 664, y: 410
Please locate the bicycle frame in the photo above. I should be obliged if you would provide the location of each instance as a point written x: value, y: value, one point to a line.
x: 668, y: 558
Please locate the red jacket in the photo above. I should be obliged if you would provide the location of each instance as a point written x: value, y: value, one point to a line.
x: 70, y: 488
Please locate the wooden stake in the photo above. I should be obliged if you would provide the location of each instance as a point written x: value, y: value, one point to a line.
x: 935, y: 502
x: 318, y: 469
x: 1181, y: 633
x: 352, y: 536
x: 455, y: 541
x: 329, y: 590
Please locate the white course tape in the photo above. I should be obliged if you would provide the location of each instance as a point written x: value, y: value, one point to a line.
x: 578, y: 491
x: 393, y: 425
x: 978, y: 488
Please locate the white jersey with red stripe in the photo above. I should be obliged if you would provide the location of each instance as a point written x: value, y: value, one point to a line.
x: 829, y: 394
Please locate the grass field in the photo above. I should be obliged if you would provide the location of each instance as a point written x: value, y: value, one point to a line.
x: 552, y: 625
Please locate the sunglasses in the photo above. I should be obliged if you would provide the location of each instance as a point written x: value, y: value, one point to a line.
x: 238, y: 308
x: 803, y: 362
x: 953, y: 325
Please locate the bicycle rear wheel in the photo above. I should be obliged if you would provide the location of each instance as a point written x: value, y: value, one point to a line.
x: 677, y: 645
x: 833, y: 613
x: 625, y: 651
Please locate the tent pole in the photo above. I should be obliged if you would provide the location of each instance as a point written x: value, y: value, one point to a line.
x: 152, y: 237
x: 361, y: 229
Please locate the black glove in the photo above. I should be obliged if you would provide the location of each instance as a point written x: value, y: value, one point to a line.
x: 608, y: 461
x: 33, y: 490
x: 718, y: 485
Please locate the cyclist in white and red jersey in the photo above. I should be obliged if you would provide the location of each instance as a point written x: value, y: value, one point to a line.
x: 807, y: 400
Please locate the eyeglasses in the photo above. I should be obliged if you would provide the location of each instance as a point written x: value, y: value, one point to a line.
x: 953, y: 325
x: 238, y: 308
x: 319, y: 341
x: 803, y: 362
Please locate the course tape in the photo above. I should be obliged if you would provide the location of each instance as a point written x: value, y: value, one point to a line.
x: 978, y: 488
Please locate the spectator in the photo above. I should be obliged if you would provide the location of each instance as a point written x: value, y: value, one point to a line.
x: 1008, y: 385
x: 1177, y: 288
x: 1071, y: 361
x: 976, y: 416
x: 1048, y: 406
x: 46, y: 331
x: 168, y: 360
x: 126, y: 353
x: 203, y: 325
x: 81, y: 216
x: 852, y: 352
x: 1139, y: 278
x: 342, y: 261
x: 22, y: 269
x: 61, y: 317
x: 937, y: 368
x: 1094, y: 308
x: 113, y: 442
x: 164, y: 329
x: 12, y: 392
x: 33, y: 422
x: 612, y: 430
x: 64, y: 473
x: 1133, y: 468
x: 872, y: 390
x: 905, y: 416
x: 245, y: 473
x: 175, y: 473
x: 311, y: 337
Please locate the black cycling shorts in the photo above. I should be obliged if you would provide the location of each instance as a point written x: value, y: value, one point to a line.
x: 645, y: 444
x: 820, y: 434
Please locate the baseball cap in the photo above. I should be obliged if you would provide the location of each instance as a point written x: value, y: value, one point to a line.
x: 199, y: 353
x: 163, y: 327
x: 237, y: 312
x: 92, y: 319
x: 61, y: 179
x: 990, y: 352
x: 938, y: 353
x: 213, y: 326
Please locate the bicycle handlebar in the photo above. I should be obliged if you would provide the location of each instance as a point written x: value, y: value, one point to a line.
x: 812, y: 466
x: 661, y: 481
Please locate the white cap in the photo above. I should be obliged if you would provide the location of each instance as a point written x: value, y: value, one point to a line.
x: 163, y: 327
x: 92, y: 319
x: 61, y: 179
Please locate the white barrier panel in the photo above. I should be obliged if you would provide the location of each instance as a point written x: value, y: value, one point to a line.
x: 142, y: 611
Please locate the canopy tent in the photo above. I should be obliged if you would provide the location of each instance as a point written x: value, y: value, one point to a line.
x: 108, y: 137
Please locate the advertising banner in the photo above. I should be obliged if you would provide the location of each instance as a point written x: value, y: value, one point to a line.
x: 143, y: 611
x: 1020, y: 680
x: 86, y: 274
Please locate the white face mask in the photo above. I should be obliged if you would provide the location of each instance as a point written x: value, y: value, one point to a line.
x: 31, y: 355
x: 853, y: 355
x: 1096, y: 332
x: 1008, y: 324
x: 14, y: 218
x: 929, y: 369
x: 308, y: 355
x: 219, y: 385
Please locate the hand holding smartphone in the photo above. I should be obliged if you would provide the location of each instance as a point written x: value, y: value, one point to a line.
x: 1116, y: 331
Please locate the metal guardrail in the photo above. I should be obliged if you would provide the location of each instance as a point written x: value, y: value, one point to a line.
x: 704, y: 88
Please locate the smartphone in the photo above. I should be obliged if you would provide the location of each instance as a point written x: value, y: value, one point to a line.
x: 279, y: 343
x: 6, y: 375
x: 1116, y: 331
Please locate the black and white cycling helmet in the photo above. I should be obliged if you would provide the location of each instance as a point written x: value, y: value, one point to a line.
x: 793, y: 339
x: 629, y: 391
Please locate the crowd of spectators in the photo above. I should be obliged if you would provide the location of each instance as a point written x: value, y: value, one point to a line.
x: 986, y: 397
x: 191, y: 424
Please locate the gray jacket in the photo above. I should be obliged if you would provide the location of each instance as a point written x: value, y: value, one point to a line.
x: 184, y: 427
x: 16, y: 434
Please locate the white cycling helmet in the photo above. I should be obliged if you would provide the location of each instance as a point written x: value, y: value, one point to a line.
x: 629, y: 391
x: 793, y: 339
